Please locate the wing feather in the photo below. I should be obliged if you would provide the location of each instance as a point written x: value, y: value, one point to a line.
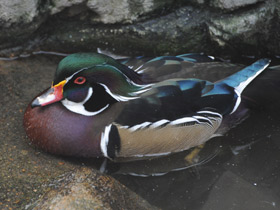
x: 173, y: 137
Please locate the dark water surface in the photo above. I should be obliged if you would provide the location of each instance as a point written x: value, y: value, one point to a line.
x: 243, y: 175
x: 238, y: 171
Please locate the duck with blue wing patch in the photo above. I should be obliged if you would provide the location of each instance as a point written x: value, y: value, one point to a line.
x: 98, y: 106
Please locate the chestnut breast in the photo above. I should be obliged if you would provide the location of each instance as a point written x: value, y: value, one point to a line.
x: 57, y: 130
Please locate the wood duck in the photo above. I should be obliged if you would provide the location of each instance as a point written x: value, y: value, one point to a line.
x: 99, y: 106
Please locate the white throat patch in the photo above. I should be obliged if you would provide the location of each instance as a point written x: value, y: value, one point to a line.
x: 78, y: 107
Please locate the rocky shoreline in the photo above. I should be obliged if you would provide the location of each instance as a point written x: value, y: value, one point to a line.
x: 148, y: 27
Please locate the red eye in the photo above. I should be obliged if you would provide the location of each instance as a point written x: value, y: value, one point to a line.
x: 80, y: 80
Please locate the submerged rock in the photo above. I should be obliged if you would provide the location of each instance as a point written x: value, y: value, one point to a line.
x: 88, y: 189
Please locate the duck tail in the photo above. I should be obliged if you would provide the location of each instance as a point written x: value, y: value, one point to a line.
x: 241, y: 79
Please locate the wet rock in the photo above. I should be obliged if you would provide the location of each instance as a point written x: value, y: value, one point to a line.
x: 198, y: 1
x: 88, y: 189
x: 122, y: 10
x: 110, y: 12
x: 220, y: 27
x: 57, y: 6
x: 245, y: 31
x: 145, y: 37
x: 232, y: 4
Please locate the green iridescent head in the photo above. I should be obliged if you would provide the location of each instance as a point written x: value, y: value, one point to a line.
x: 88, y: 83
x: 97, y: 69
x: 75, y: 62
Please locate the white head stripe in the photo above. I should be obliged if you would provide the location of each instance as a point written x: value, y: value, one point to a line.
x: 70, y: 77
x: 116, y: 96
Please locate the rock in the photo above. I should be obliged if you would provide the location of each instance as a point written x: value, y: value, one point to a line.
x: 233, y: 192
x: 198, y: 1
x: 220, y: 27
x: 19, y: 19
x: 14, y: 12
x: 122, y: 10
x: 232, y: 4
x: 57, y: 6
x: 230, y: 31
x: 110, y: 12
x: 88, y: 189
x: 149, y: 36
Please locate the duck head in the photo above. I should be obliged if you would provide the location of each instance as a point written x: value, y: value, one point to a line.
x: 88, y: 83
x: 69, y: 117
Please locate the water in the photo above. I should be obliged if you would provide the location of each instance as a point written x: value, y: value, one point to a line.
x: 243, y: 175
x: 236, y: 171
